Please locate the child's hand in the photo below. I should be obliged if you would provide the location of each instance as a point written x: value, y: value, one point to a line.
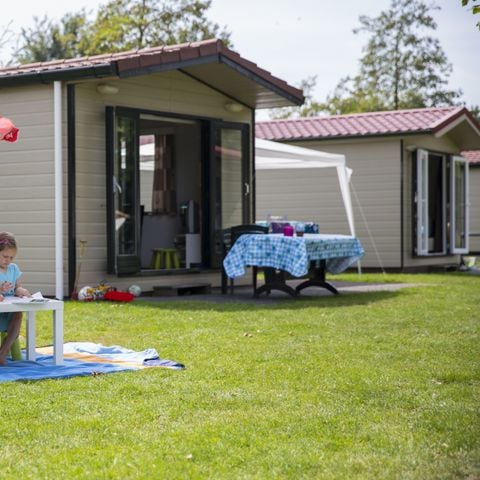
x: 2, y: 298
x: 22, y: 292
x: 5, y: 286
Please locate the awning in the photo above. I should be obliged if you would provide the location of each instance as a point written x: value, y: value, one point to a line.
x: 279, y: 156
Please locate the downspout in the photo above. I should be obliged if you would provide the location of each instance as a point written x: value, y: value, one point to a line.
x: 58, y: 148
x: 71, y: 190
x: 253, y: 173
x: 402, y: 212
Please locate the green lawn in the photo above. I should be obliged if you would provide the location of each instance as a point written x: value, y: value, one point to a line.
x: 380, y: 385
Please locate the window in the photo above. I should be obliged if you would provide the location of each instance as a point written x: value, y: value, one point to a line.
x: 440, y: 204
x: 459, y: 193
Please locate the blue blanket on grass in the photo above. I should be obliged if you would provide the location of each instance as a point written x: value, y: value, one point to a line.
x: 81, y: 359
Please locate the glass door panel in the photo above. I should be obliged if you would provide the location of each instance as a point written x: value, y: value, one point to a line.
x: 459, y: 205
x: 122, y: 190
x: 125, y: 187
x: 229, y: 199
x: 229, y: 182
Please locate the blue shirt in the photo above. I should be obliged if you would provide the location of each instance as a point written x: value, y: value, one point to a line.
x: 12, y: 274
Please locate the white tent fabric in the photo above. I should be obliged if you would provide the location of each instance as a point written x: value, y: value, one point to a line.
x: 278, y: 156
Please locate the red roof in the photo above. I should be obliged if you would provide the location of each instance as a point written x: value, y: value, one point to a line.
x: 473, y: 156
x: 191, y: 58
x: 422, y: 120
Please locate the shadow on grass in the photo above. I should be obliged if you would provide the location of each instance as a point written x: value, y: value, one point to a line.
x: 264, y: 303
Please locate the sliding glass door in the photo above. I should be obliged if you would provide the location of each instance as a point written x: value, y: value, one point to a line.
x: 123, y: 193
x: 230, y: 175
x: 159, y: 166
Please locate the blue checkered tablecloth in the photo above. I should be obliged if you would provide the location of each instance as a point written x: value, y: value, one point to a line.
x: 292, y: 254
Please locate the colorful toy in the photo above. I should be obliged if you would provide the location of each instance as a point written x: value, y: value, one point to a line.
x: 135, y: 290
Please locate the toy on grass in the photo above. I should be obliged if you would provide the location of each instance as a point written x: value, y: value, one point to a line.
x: 85, y: 294
x: 88, y: 293
x: 118, y: 296
x: 135, y: 290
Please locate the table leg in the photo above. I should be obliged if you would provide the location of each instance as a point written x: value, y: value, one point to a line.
x: 317, y: 278
x: 58, y: 337
x: 274, y: 280
x: 31, y: 336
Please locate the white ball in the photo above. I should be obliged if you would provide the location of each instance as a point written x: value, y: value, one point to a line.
x: 135, y: 290
x: 85, y: 294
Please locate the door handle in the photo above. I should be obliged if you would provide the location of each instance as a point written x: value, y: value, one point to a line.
x: 247, y: 188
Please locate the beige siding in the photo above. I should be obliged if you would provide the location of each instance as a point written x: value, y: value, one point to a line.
x: 27, y: 183
x: 475, y: 208
x: 314, y: 195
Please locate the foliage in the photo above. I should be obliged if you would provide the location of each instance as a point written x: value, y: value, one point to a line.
x: 475, y: 111
x: 475, y: 8
x: 6, y: 37
x: 131, y: 24
x: 119, y: 25
x: 358, y: 386
x: 309, y: 108
x: 49, y: 40
x: 401, y: 67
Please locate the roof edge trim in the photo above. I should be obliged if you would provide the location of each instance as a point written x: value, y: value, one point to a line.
x: 296, y: 100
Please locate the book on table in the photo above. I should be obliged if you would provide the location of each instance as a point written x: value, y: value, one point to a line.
x: 36, y: 298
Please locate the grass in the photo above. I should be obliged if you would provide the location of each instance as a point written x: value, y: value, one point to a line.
x: 373, y: 385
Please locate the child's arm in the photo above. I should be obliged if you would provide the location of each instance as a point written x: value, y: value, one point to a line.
x: 20, y: 291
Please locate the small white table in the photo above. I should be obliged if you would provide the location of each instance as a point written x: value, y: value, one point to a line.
x: 56, y: 306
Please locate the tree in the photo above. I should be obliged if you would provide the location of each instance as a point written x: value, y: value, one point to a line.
x: 130, y: 24
x: 310, y: 107
x: 48, y: 40
x: 401, y: 66
x: 119, y: 25
x: 7, y: 37
x: 475, y: 8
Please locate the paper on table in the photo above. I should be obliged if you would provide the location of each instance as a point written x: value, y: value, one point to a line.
x: 35, y: 298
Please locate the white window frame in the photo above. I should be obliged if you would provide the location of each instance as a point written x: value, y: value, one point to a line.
x: 422, y: 202
x: 422, y: 207
x: 453, y: 227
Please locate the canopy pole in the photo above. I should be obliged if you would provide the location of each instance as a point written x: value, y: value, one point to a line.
x: 58, y: 149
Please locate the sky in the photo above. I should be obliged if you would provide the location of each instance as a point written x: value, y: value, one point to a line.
x: 298, y: 39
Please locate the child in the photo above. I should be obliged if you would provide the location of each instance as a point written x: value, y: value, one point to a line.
x: 9, y: 285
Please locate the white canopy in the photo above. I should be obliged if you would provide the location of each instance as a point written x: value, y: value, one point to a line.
x: 279, y: 156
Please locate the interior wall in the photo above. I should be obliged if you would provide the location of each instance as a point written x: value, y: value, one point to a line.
x: 159, y: 230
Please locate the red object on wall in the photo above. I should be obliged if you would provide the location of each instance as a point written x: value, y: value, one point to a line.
x: 8, y: 131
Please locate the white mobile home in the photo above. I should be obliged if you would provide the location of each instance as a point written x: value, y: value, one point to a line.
x: 410, y: 185
x: 75, y: 173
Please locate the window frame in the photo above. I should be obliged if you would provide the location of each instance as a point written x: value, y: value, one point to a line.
x: 421, y: 204
x: 453, y: 227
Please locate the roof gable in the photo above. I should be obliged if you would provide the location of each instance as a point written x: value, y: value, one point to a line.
x: 455, y: 121
x: 208, y: 61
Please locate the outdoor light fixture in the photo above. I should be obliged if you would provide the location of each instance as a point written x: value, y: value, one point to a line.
x: 234, y: 107
x: 107, y: 89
